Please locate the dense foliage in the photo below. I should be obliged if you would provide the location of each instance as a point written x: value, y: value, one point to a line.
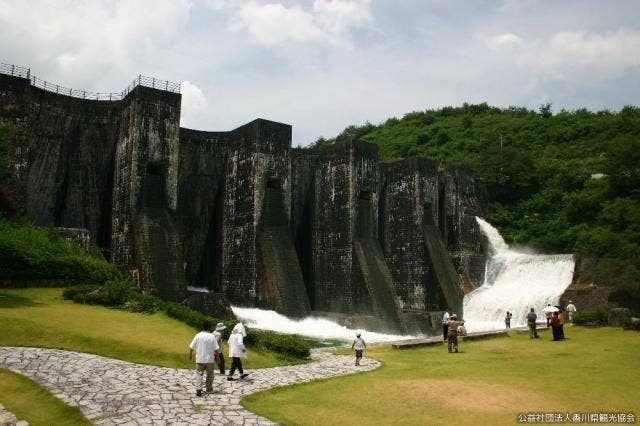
x: 565, y: 182
x: 597, y: 317
x: 30, y: 253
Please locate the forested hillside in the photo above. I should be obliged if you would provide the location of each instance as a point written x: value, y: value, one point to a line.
x: 565, y: 182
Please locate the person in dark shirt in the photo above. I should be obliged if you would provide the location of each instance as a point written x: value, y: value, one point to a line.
x: 531, y: 322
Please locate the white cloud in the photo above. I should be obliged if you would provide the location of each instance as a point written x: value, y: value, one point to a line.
x: 337, y: 16
x: 329, y: 21
x: 87, y: 43
x: 273, y: 24
x: 507, y: 40
x: 193, y: 103
x: 621, y: 47
x: 570, y: 54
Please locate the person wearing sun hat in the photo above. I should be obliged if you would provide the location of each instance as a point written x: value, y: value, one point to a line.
x: 237, y: 350
x: 452, y: 333
x: 218, y: 335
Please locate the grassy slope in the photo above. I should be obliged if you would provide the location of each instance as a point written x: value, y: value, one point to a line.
x: 30, y: 402
x: 489, y: 382
x: 40, y: 317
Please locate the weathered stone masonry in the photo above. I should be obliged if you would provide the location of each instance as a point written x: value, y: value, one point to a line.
x: 239, y: 217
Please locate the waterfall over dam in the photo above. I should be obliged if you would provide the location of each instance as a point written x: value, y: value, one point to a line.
x: 316, y: 328
x: 515, y: 282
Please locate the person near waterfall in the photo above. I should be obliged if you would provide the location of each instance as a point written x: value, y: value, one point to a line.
x: 237, y: 350
x: 547, y: 314
x: 556, y: 323
x: 561, y: 317
x: 445, y: 325
x: 462, y: 331
x: 507, y: 319
x: 359, y: 345
x: 571, y: 309
x: 452, y: 333
x: 531, y: 322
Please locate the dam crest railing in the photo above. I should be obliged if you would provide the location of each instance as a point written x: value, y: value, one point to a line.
x: 140, y: 80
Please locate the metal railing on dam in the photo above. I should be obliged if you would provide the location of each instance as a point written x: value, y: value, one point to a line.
x: 140, y: 80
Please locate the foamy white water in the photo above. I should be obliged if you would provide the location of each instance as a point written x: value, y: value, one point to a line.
x: 317, y: 328
x: 514, y: 282
x: 198, y: 289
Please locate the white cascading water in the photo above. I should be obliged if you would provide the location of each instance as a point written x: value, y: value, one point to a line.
x: 317, y: 328
x: 515, y: 282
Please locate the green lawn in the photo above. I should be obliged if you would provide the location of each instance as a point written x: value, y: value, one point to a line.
x: 488, y: 382
x: 40, y: 317
x: 31, y: 402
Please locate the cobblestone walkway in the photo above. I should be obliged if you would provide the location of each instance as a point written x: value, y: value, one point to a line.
x: 111, y: 392
x: 7, y: 418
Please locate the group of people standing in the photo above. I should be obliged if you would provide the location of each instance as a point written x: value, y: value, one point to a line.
x: 555, y: 319
x: 451, y: 329
x: 207, y: 345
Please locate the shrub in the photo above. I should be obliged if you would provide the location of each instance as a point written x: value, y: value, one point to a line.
x: 144, y: 303
x: 186, y: 315
x: 30, y: 253
x: 89, y: 294
x: 285, y: 344
x: 632, y: 324
x: 117, y: 292
x: 597, y: 317
x: 72, y: 293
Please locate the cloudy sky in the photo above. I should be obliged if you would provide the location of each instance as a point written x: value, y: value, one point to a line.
x: 321, y: 65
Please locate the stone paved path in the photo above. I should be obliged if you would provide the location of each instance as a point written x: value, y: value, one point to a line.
x: 7, y: 418
x: 113, y: 392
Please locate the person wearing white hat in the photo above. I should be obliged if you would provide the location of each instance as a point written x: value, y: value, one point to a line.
x: 218, y: 335
x: 237, y: 350
x: 452, y: 333
x: 359, y: 345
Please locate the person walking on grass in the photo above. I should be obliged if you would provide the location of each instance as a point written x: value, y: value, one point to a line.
x: 237, y: 350
x: 206, y: 348
x: 445, y: 325
x: 218, y: 335
x: 359, y: 345
x: 571, y: 309
x: 531, y: 322
x: 555, y: 326
x: 452, y: 333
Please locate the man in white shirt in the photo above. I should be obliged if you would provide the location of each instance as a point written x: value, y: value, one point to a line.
x: 571, y: 309
x: 445, y: 325
x: 206, y: 347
